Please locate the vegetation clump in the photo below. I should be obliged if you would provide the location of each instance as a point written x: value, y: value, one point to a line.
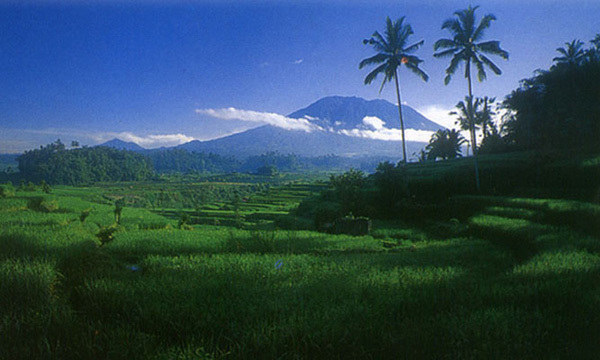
x: 7, y: 190
x: 43, y: 204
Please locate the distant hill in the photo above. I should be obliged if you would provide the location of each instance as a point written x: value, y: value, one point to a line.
x: 122, y: 145
x: 333, y: 113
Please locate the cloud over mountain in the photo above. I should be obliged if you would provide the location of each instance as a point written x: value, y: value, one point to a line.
x: 375, y: 129
x: 280, y: 121
x: 146, y: 141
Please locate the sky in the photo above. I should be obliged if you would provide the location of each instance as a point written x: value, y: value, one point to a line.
x: 163, y: 72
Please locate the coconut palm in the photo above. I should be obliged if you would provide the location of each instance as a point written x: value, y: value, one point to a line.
x: 393, y: 52
x: 464, y: 120
x: 465, y: 46
x: 484, y: 116
x: 444, y: 144
x: 572, y: 54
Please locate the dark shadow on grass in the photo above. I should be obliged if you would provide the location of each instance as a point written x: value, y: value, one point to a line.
x: 18, y: 246
x: 520, y: 244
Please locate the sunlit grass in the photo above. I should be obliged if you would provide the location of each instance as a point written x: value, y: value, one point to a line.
x: 515, y: 278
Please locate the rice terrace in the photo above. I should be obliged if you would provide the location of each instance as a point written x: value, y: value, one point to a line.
x: 465, y: 225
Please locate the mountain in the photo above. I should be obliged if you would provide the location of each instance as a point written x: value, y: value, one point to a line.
x: 332, y: 114
x: 348, y: 113
x: 123, y: 145
x: 266, y: 138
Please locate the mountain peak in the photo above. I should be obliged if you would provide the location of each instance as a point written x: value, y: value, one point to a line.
x: 122, y: 145
x: 341, y: 112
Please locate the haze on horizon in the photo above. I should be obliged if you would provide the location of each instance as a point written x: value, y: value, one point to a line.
x: 151, y: 72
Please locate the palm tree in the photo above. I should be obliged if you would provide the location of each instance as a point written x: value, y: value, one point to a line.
x: 464, y: 120
x: 392, y: 52
x: 484, y: 117
x: 572, y: 54
x: 464, y: 47
x: 445, y: 144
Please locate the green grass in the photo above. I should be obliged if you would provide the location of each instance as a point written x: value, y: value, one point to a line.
x: 498, y: 277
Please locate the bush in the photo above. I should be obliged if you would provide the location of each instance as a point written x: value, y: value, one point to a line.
x: 119, y: 205
x: 106, y: 234
x: 45, y: 187
x: 7, y: 190
x: 84, y: 215
x: 43, y: 204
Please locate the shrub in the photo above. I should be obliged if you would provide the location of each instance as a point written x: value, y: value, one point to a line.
x: 84, y: 215
x: 106, y: 234
x: 43, y: 204
x: 7, y: 190
x: 45, y: 187
x: 119, y: 205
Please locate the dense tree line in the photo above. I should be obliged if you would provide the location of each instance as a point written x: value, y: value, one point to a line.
x: 558, y: 108
x: 182, y: 161
x: 57, y: 165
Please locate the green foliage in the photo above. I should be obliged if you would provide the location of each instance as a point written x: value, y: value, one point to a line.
x: 119, y: 205
x: 45, y: 187
x: 391, y: 187
x: 445, y: 144
x: 509, y: 276
x: 30, y: 187
x: 493, y: 144
x: 267, y: 170
x: 184, y: 218
x: 43, y: 204
x: 558, y: 108
x: 84, y: 215
x: 56, y: 165
x: 106, y: 234
x: 7, y: 190
x: 348, y: 191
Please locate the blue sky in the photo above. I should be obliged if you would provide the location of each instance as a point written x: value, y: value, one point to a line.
x: 140, y: 70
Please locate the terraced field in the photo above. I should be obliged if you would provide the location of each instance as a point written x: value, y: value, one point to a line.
x: 493, y: 277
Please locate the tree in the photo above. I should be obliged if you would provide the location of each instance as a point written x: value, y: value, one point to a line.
x: 464, y: 47
x: 393, y: 52
x: 572, y: 53
x: 347, y: 188
x: 445, y: 144
x: 557, y: 108
x: 484, y: 116
x: 463, y: 120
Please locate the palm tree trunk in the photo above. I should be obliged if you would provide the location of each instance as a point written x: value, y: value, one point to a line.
x: 472, y: 126
x: 400, y: 114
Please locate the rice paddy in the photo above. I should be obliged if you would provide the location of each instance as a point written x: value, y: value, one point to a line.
x: 500, y: 278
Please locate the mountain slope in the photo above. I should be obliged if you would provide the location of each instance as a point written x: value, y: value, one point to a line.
x: 332, y: 114
x: 270, y: 138
x: 348, y: 113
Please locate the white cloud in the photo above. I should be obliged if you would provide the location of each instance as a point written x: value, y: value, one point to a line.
x: 374, y: 122
x: 145, y: 141
x: 154, y: 141
x: 378, y: 131
x: 439, y: 114
x: 298, y: 62
x: 277, y: 120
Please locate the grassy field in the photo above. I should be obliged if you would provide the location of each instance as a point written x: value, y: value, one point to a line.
x: 498, y: 277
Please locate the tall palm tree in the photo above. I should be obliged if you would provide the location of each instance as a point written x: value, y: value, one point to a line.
x: 393, y: 52
x: 484, y: 117
x: 464, y: 119
x: 572, y: 54
x: 464, y: 46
